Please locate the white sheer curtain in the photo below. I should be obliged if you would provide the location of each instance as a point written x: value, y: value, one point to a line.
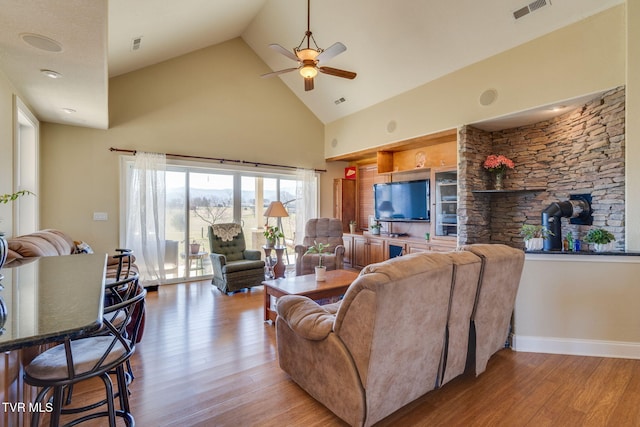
x: 306, y: 200
x: 145, y: 217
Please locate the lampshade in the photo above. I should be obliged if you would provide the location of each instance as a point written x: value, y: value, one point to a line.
x: 276, y: 210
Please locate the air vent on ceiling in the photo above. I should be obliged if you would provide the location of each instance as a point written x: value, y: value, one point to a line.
x: 135, y: 43
x: 531, y: 7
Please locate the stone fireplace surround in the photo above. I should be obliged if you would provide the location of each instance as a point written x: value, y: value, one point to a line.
x: 580, y: 152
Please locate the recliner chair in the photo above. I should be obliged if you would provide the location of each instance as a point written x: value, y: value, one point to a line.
x: 321, y: 230
x: 234, y: 266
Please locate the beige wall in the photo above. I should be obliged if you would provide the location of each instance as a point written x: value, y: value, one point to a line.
x: 577, y: 304
x: 633, y: 125
x: 207, y: 103
x: 583, y: 58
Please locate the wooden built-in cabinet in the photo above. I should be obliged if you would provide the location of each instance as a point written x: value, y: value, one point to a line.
x: 432, y: 157
x: 367, y: 176
x: 444, y: 203
x: 344, y: 201
x: 367, y: 250
x: 364, y: 249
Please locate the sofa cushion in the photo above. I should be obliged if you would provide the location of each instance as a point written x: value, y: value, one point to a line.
x: 83, y: 248
x: 242, y: 265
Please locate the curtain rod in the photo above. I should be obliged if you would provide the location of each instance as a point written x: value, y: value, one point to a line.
x: 216, y: 159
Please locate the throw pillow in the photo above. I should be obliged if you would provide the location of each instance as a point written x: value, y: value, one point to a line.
x: 83, y: 248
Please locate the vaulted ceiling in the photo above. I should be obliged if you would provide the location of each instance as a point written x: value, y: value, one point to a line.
x: 393, y: 46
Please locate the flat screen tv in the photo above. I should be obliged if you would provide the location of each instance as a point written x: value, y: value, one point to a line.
x: 402, y: 201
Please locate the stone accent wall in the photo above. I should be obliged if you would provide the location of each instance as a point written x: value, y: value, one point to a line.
x: 580, y: 152
x: 474, y: 215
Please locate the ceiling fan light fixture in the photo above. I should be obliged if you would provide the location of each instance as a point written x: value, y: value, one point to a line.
x: 307, y: 54
x: 308, y: 71
x: 311, y: 61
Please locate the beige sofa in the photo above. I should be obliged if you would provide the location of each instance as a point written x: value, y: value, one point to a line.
x: 50, y: 242
x: 401, y: 330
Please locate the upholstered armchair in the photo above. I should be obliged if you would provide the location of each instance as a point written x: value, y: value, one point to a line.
x: 234, y: 266
x: 321, y: 230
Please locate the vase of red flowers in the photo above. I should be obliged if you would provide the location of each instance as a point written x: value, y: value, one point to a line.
x: 497, y: 165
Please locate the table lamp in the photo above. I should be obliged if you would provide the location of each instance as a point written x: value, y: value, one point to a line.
x: 277, y: 210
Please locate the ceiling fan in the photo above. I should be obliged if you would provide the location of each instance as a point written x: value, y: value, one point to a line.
x: 310, y: 60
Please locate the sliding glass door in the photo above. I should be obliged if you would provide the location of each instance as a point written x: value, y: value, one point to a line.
x: 197, y: 197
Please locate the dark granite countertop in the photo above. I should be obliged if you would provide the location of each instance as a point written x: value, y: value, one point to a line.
x: 49, y: 299
x: 592, y: 253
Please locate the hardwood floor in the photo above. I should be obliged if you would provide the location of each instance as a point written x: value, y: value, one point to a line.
x: 207, y: 359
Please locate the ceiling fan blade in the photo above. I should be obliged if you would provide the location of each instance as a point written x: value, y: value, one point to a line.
x: 275, y: 73
x: 337, y: 72
x: 285, y: 52
x: 330, y: 52
x: 308, y: 83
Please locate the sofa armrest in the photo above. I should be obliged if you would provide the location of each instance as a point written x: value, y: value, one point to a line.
x: 218, y: 260
x: 252, y: 254
x: 305, y: 317
x: 300, y: 250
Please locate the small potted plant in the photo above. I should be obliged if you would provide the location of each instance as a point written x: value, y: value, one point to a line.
x: 534, y: 236
x: 272, y: 233
x: 320, y: 249
x: 194, y: 247
x: 601, y: 239
x: 352, y: 226
x: 375, y: 228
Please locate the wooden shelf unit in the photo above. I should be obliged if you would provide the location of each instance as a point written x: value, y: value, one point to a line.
x: 416, y: 158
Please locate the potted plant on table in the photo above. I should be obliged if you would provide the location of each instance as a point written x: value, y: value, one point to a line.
x: 375, y: 228
x: 534, y: 236
x: 194, y: 247
x: 272, y: 233
x: 602, y: 239
x: 320, y: 249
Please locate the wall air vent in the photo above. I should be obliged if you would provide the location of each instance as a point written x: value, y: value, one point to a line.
x: 531, y: 7
x: 135, y: 43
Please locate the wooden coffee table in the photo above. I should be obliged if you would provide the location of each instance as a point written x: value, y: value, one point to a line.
x: 336, y: 284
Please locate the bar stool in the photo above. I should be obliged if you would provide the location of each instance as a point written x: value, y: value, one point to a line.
x: 94, y: 355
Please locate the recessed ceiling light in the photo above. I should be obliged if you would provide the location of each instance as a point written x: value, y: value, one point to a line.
x: 41, y: 42
x: 69, y: 110
x: 51, y: 74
